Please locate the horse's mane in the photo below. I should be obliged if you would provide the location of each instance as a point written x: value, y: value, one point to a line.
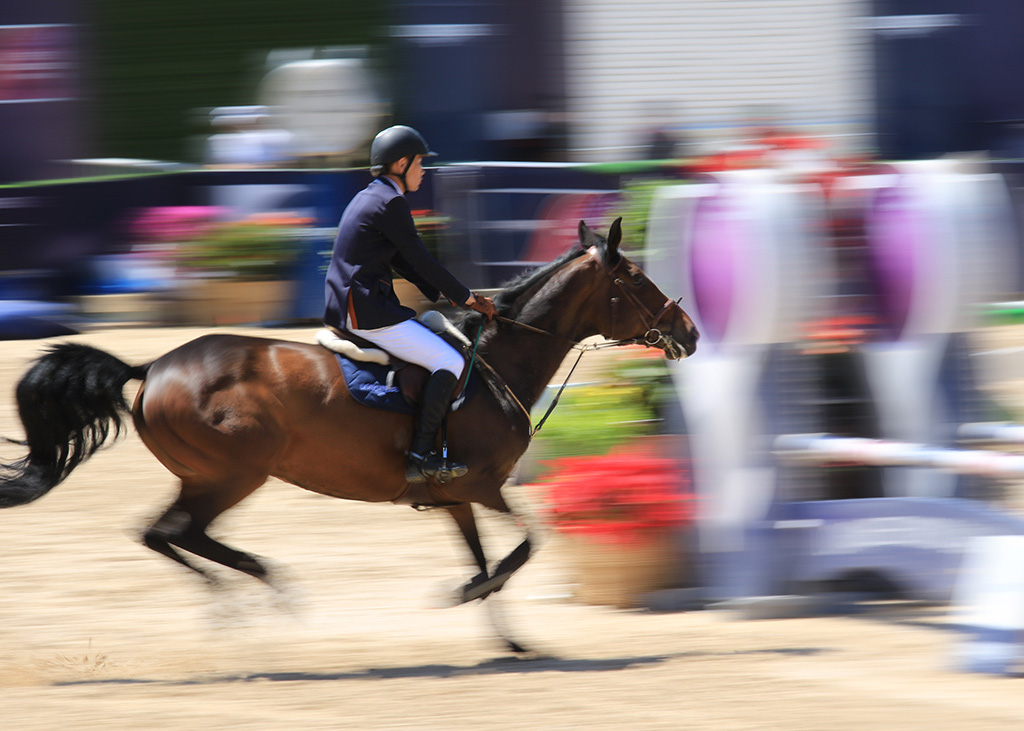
x: 512, y: 290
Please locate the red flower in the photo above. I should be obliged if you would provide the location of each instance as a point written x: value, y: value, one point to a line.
x: 618, y: 496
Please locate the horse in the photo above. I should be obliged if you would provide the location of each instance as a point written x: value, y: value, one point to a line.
x: 225, y: 412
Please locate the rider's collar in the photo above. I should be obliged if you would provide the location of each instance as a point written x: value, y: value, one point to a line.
x: 392, y: 183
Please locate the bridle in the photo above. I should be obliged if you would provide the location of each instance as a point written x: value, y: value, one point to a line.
x: 652, y: 338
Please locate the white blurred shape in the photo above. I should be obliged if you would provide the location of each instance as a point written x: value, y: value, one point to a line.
x: 330, y: 106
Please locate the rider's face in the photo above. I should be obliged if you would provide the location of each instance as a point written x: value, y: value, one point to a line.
x: 414, y: 175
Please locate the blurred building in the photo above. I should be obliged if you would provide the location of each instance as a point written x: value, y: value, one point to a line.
x: 903, y: 79
x: 948, y: 76
x: 43, y: 89
x: 572, y: 80
x: 521, y: 80
x: 482, y: 80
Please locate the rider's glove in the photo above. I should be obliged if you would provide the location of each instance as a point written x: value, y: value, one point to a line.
x: 483, y: 305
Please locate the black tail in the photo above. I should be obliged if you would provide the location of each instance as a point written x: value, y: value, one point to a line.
x: 70, y: 402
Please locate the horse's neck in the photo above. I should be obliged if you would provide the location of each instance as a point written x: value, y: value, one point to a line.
x: 527, y: 363
x: 528, y: 360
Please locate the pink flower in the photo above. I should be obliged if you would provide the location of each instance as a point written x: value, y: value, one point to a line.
x: 173, y: 224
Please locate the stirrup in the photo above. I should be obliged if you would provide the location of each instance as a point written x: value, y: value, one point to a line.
x: 432, y: 467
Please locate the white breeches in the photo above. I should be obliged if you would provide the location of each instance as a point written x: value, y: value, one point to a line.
x: 414, y: 342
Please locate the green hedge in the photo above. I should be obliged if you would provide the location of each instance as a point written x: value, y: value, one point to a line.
x: 156, y: 62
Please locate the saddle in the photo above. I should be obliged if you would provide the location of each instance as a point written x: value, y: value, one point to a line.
x: 376, y: 378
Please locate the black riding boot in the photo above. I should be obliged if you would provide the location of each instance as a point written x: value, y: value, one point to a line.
x: 424, y: 463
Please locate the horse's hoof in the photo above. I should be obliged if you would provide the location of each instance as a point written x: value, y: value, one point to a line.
x: 513, y: 646
x: 477, y: 589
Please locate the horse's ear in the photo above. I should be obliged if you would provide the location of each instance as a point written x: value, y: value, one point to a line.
x: 586, y: 235
x: 615, y: 236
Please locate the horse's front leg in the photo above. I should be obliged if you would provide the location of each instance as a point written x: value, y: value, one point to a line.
x: 485, y: 583
x: 480, y: 588
x: 466, y: 521
x: 482, y: 585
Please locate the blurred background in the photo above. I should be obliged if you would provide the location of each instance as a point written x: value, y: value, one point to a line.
x: 112, y: 107
x: 833, y: 186
x: 109, y: 107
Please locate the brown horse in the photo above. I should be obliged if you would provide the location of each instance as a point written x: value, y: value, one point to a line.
x: 225, y: 412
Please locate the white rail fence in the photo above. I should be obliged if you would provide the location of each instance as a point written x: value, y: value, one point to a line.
x: 821, y: 449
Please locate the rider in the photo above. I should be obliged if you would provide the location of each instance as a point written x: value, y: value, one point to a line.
x: 377, y: 237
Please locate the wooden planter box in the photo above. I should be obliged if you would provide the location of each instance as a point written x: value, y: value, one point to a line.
x: 619, y: 574
x: 233, y: 302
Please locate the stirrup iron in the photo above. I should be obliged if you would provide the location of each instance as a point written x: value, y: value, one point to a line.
x: 432, y: 467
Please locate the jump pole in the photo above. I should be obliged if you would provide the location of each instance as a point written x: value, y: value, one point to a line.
x: 820, y: 449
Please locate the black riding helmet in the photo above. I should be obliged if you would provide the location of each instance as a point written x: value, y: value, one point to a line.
x: 394, y: 143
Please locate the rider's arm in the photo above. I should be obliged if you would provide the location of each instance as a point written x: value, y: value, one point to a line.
x: 398, y: 226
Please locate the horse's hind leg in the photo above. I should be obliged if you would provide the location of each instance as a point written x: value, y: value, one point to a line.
x: 174, y: 529
x: 184, y: 526
x: 158, y: 536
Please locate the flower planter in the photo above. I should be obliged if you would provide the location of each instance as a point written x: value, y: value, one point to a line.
x: 227, y: 272
x: 622, y: 519
x: 619, y: 574
x: 232, y: 302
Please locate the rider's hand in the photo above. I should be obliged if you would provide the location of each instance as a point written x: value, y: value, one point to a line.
x: 483, y: 305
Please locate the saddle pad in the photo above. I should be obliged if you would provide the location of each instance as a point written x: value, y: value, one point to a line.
x: 368, y: 384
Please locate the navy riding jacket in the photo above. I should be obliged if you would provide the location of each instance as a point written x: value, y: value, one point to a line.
x: 377, y: 238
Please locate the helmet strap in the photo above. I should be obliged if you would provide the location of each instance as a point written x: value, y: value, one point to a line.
x: 401, y: 175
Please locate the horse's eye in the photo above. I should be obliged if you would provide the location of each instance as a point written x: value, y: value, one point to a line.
x: 638, y: 279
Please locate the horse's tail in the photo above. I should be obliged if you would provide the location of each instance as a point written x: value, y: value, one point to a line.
x: 70, y: 402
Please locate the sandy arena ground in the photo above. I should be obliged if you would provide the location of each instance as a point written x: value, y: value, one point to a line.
x: 98, y: 633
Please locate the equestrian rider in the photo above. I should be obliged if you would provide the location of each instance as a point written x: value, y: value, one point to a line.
x: 377, y: 238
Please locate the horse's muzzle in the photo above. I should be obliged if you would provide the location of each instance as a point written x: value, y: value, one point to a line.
x: 681, y: 342
x: 676, y: 351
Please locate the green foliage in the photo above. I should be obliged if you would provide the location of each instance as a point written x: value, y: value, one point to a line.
x: 592, y: 419
x: 650, y: 375
x: 636, y: 196
x: 157, y: 62
x: 253, y: 248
